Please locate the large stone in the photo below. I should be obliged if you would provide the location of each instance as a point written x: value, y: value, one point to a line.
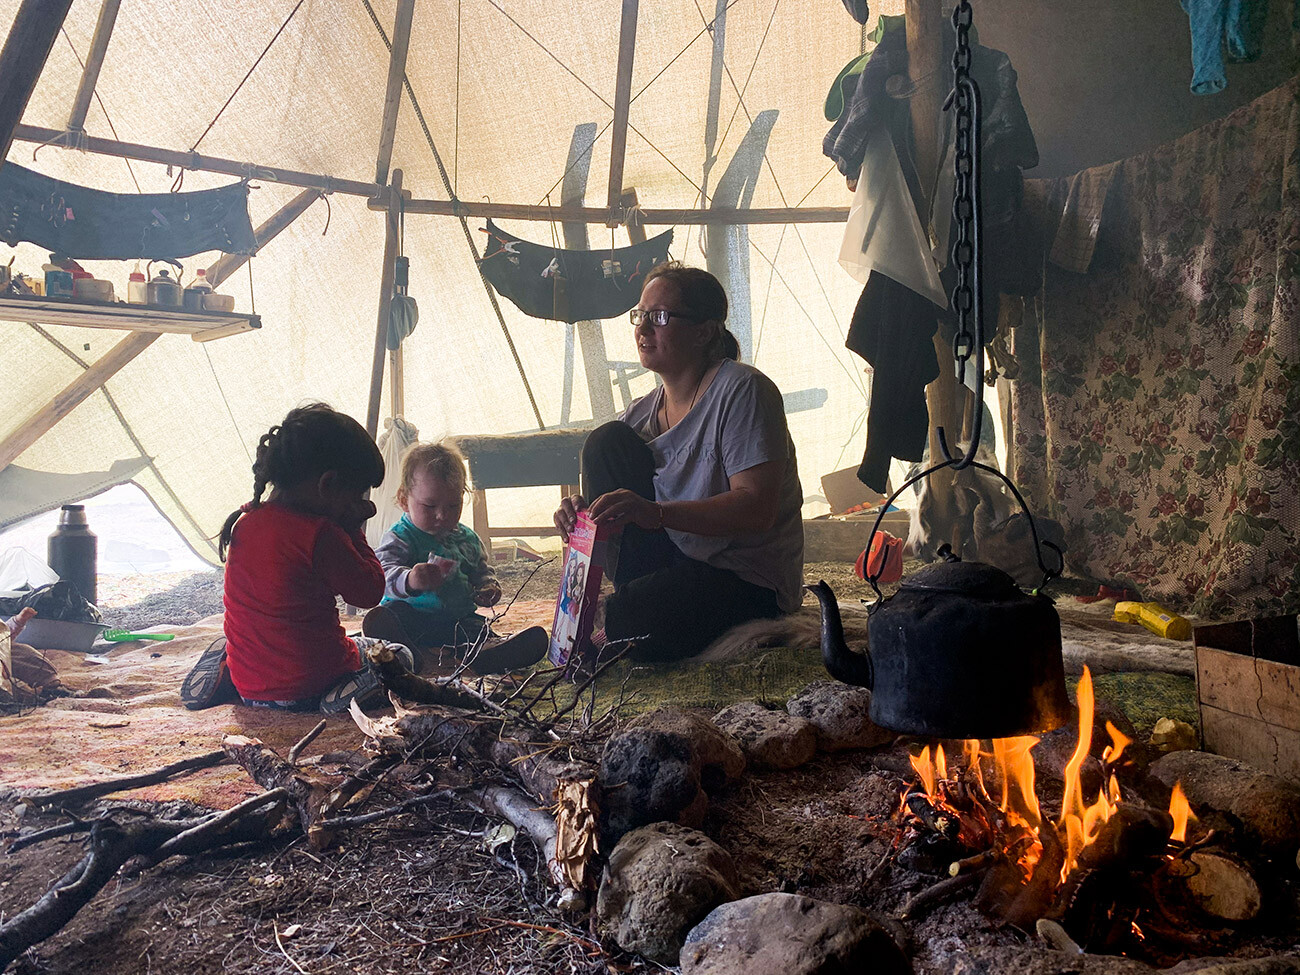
x: 660, y: 882
x: 661, y: 767
x: 1276, y: 965
x: 1266, y: 805
x: 786, y: 934
x: 769, y: 739
x: 839, y: 712
x: 1039, y: 961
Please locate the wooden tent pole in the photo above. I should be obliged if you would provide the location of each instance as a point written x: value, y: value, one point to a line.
x: 31, y: 37
x: 925, y: 26
x: 190, y: 160
x: 393, y: 93
x: 228, y: 264
x: 392, y: 243
x: 622, y: 102
x: 103, y: 369
x: 591, y: 335
x: 376, y: 193
x: 94, y: 61
x: 669, y: 218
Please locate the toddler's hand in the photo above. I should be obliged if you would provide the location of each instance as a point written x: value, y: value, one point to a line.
x: 429, y: 575
x: 488, y: 595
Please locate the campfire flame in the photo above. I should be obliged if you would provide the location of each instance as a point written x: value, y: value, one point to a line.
x: 1181, y: 810
x: 1080, y: 822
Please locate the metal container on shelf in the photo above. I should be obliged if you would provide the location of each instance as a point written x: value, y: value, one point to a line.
x: 165, y: 290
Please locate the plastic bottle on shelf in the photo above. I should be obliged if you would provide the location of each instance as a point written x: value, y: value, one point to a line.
x: 196, y: 291
x: 137, y: 288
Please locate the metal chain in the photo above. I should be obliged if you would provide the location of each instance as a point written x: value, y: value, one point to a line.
x: 967, y: 293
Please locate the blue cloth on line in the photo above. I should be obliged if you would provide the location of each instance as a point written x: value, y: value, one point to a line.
x: 1238, y: 24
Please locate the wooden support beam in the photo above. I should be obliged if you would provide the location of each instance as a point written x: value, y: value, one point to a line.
x: 925, y: 25
x: 378, y: 198
x: 31, y: 37
x: 601, y: 215
x: 392, y: 244
x: 188, y: 160
x: 228, y: 264
x: 104, y: 368
x: 393, y: 94
x: 591, y: 335
x: 622, y: 101
x: 94, y: 61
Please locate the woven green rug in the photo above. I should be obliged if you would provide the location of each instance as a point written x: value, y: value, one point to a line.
x: 774, y: 675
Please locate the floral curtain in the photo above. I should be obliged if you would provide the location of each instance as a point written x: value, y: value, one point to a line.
x: 1157, y: 415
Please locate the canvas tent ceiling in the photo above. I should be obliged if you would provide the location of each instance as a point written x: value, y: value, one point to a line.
x: 502, y: 85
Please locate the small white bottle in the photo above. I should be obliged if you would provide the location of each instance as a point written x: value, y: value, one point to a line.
x: 137, y: 288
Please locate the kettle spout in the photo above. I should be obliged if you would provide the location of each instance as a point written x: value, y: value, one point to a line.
x: 840, y: 662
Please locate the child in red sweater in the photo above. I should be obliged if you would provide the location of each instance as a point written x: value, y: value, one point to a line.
x: 289, y: 557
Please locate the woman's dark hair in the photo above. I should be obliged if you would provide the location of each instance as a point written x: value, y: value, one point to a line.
x: 706, y: 299
x: 312, y: 441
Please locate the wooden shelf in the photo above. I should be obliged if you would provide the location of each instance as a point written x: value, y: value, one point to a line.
x: 200, y: 326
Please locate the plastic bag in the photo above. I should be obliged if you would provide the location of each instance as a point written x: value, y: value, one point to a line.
x: 20, y: 569
x: 58, y: 601
x: 883, y: 233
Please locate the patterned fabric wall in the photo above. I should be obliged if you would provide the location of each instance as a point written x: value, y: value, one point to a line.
x: 1158, y: 412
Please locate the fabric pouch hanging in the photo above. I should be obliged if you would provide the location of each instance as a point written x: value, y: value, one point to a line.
x: 569, y: 285
x: 403, y: 312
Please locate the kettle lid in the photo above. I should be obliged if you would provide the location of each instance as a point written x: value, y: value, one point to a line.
x: 966, y: 578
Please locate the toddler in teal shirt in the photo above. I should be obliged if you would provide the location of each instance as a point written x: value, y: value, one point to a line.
x: 437, y: 574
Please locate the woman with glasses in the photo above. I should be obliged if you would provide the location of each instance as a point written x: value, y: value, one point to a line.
x: 701, y: 476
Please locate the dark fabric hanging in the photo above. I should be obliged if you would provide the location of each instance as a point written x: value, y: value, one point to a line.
x: 87, y: 224
x: 568, y: 285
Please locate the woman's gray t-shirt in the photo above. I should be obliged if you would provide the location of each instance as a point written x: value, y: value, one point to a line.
x: 738, y: 423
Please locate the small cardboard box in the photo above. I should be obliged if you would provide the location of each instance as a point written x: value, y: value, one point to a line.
x: 845, y: 493
x: 575, y: 605
x: 1248, y: 686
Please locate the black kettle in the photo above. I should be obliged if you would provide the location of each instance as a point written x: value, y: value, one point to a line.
x: 959, y: 651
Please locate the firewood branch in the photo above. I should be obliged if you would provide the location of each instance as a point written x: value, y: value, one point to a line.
x: 94, y: 790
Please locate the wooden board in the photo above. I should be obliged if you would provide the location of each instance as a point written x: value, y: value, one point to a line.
x: 1265, y: 746
x: 1250, y: 704
x: 201, y: 326
x: 1258, y: 689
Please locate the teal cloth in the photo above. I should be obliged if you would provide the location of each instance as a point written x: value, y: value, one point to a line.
x: 455, y: 597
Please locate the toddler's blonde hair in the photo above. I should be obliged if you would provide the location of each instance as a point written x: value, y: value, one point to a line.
x: 442, y: 460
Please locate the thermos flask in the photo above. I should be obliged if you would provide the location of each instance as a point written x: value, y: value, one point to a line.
x: 73, y: 550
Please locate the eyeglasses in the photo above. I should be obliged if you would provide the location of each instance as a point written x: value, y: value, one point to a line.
x: 657, y: 316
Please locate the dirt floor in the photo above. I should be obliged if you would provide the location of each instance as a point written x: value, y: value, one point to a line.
x: 428, y: 891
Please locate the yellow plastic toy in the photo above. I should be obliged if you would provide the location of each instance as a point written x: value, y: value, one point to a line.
x: 1155, y: 618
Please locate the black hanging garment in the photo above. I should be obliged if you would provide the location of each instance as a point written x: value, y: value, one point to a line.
x: 569, y: 286
x: 87, y: 224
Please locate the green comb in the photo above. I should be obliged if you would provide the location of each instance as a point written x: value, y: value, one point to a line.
x: 122, y: 636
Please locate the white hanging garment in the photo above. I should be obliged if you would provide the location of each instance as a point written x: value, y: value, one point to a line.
x: 398, y: 435
x: 883, y: 233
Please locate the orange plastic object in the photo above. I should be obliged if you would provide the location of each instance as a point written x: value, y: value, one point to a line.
x: 884, y: 561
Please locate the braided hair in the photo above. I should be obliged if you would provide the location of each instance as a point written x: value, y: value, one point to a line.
x: 311, y: 441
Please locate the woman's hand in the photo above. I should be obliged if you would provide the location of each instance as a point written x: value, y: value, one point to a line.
x: 17, y: 623
x: 566, y: 515
x: 624, y: 507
